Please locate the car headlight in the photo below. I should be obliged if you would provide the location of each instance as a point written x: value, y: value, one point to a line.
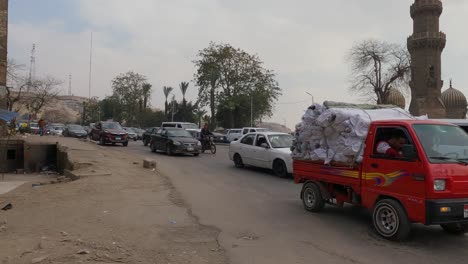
x: 439, y: 185
x: 198, y: 143
x: 177, y: 143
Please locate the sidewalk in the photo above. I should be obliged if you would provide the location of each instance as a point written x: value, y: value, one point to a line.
x: 117, y: 212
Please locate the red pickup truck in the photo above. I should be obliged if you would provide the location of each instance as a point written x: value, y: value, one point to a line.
x: 428, y: 184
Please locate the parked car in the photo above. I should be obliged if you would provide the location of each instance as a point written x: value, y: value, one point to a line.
x: 87, y: 129
x: 109, y: 132
x: 74, y: 131
x: 147, y: 135
x: 219, y: 138
x: 234, y: 134
x: 247, y: 130
x: 131, y: 134
x: 139, y: 132
x: 462, y: 123
x: 175, y: 141
x: 57, y: 129
x: 268, y: 150
x: 184, y: 125
x: 34, y: 128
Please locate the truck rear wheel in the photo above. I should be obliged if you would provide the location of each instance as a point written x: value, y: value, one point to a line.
x: 312, y: 198
x: 456, y: 228
x: 390, y: 220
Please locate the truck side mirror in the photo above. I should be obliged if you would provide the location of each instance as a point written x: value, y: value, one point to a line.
x: 409, y: 152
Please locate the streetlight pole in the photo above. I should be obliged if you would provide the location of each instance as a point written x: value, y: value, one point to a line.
x: 313, y: 101
x: 251, y: 109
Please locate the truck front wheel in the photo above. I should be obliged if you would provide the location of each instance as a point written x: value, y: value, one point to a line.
x: 312, y: 198
x: 455, y: 229
x: 390, y: 220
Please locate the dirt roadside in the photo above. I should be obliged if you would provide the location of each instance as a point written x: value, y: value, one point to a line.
x: 117, y: 212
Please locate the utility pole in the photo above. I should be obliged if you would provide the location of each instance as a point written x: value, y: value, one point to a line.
x: 3, y: 52
x: 90, y: 64
x: 251, y: 109
x: 70, y: 85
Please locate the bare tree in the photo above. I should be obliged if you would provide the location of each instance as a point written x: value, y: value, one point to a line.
x: 42, y: 93
x: 16, y: 83
x: 378, y: 66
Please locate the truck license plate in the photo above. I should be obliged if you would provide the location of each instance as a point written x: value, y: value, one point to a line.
x: 117, y: 138
x: 465, y: 211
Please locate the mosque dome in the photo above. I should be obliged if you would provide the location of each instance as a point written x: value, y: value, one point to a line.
x: 455, y: 102
x: 395, y: 97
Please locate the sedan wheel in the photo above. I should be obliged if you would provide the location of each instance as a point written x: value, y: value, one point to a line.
x: 169, y: 150
x: 280, y: 169
x: 238, y: 161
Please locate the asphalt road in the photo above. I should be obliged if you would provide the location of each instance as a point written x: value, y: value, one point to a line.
x: 262, y: 220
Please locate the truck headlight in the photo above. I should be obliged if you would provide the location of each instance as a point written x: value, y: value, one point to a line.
x: 177, y: 143
x: 439, y: 185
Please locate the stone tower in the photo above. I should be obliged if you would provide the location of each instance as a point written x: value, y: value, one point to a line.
x: 426, y: 46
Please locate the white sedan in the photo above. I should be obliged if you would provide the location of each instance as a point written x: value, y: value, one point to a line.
x: 269, y: 150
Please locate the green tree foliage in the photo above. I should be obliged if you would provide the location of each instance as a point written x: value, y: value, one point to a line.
x: 150, y: 118
x: 130, y: 90
x: 91, y: 111
x: 227, y: 77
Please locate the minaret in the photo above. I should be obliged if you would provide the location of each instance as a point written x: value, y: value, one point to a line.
x: 426, y: 46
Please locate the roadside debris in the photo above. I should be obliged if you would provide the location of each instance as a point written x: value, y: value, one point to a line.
x: 149, y: 164
x: 39, y: 259
x: 83, y: 252
x: 7, y: 207
x: 3, y: 225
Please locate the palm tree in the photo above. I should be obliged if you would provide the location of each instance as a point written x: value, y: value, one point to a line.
x: 183, y: 88
x: 167, y: 91
x: 146, y: 92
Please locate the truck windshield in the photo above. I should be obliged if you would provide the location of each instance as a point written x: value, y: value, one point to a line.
x: 443, y: 143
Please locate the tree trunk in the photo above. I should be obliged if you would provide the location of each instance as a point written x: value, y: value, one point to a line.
x: 231, y: 118
x: 213, y: 107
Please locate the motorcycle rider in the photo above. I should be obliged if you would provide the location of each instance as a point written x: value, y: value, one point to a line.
x: 205, y: 134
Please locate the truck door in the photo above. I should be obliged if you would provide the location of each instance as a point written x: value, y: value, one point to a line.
x: 394, y: 176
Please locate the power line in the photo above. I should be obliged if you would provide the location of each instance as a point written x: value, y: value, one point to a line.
x: 297, y: 102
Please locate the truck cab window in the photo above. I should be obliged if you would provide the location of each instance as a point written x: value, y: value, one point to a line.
x: 389, y: 142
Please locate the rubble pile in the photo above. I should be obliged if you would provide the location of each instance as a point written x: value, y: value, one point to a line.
x: 337, y: 132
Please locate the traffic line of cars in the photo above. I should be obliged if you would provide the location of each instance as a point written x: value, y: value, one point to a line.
x: 250, y: 146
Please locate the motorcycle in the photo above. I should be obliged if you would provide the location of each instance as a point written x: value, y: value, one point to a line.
x: 208, y: 144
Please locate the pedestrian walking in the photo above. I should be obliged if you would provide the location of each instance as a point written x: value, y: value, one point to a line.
x: 41, y: 127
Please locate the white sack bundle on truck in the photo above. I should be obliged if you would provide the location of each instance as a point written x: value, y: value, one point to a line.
x: 337, y: 131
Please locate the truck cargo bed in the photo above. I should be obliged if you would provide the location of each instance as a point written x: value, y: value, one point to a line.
x: 336, y: 173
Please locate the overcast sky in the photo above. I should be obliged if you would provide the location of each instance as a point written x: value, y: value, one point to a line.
x: 304, y: 41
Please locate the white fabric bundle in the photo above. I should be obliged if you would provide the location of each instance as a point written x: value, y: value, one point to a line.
x: 338, y: 134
